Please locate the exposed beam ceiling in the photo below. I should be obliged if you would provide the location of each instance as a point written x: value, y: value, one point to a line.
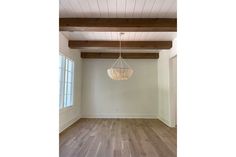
x: 119, y: 24
x: 105, y: 55
x: 76, y: 44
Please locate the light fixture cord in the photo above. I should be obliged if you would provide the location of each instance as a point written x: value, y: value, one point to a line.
x: 120, y: 45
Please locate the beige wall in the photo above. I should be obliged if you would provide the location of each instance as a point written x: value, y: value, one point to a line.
x: 69, y: 115
x: 133, y: 98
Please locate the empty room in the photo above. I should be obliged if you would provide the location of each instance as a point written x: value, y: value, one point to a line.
x: 118, y: 78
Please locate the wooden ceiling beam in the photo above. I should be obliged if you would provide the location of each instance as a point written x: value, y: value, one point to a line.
x: 119, y: 24
x: 77, y: 44
x: 106, y: 55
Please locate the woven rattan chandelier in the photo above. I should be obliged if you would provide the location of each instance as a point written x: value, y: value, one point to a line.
x: 120, y: 70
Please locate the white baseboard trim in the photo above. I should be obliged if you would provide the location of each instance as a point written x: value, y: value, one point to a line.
x: 165, y: 121
x: 69, y: 123
x: 118, y: 116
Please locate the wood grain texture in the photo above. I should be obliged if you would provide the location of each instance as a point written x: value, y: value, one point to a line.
x: 106, y: 55
x: 77, y: 44
x: 118, y: 138
x: 119, y: 24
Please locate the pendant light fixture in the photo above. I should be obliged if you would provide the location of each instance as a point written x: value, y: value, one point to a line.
x: 120, y: 70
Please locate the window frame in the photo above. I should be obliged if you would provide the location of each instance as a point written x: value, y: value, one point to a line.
x: 62, y: 83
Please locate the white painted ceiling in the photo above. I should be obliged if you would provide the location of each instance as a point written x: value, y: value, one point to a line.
x: 119, y: 9
x: 128, y: 36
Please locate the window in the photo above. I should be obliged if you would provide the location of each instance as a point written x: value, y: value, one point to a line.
x: 66, y: 77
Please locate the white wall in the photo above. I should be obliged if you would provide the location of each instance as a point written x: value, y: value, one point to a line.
x: 173, y: 90
x: 134, y: 98
x: 149, y: 93
x: 173, y: 51
x: 69, y: 115
x: 163, y: 87
x: 167, y: 76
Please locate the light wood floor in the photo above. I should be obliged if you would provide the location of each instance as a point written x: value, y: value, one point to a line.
x: 118, y: 138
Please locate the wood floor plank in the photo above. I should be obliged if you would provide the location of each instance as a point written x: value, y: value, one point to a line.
x: 118, y: 138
